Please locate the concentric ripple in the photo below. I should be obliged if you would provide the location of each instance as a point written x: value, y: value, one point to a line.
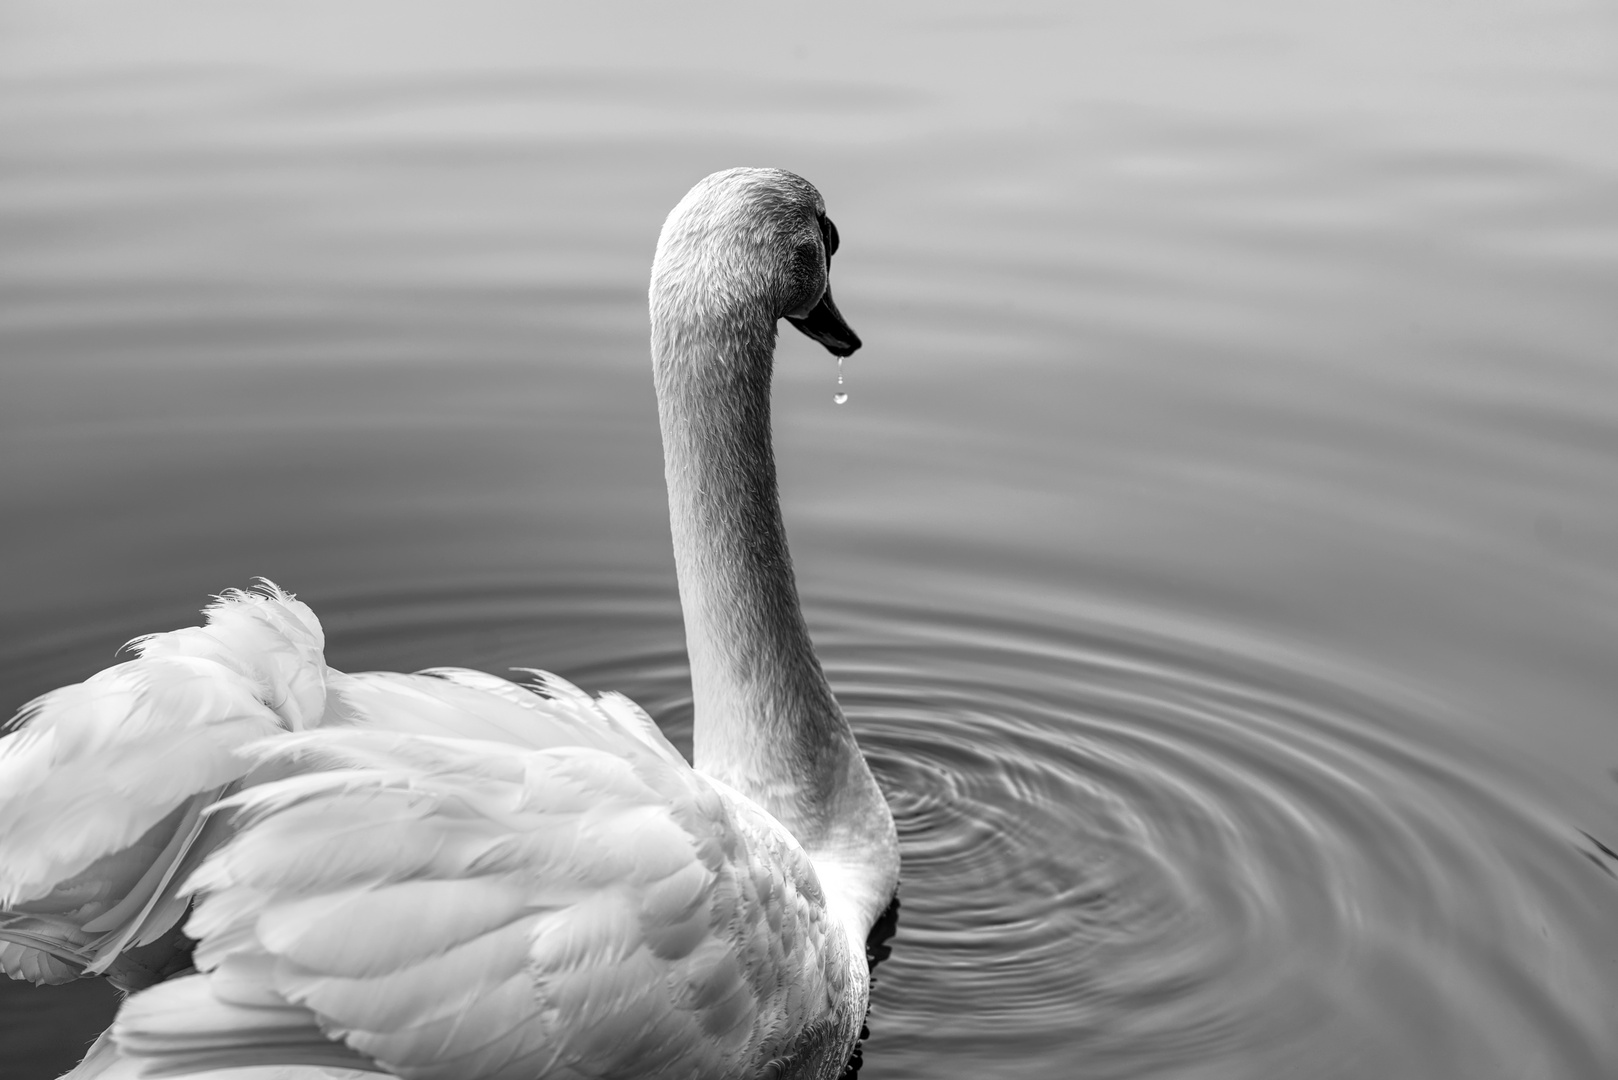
x: 1132, y: 855
x: 1153, y: 858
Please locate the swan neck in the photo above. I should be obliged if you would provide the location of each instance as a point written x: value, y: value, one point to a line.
x: 765, y: 717
x: 766, y: 722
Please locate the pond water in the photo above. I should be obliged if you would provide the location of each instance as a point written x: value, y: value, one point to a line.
x: 1217, y: 554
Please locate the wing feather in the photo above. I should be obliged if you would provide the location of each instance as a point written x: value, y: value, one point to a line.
x: 449, y: 908
x: 103, y: 786
x: 100, y: 763
x: 351, y: 931
x: 448, y: 872
x: 442, y: 986
x: 457, y: 703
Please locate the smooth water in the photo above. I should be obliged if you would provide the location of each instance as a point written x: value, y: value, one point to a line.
x: 1217, y: 553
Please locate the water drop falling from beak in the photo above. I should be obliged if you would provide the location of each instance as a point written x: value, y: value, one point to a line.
x: 840, y: 396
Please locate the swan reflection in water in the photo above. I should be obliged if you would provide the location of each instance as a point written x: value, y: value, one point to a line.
x: 450, y: 874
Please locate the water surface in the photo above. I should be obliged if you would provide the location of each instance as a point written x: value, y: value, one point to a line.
x: 1218, y: 554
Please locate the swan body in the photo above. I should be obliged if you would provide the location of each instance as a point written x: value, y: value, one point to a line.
x: 449, y: 874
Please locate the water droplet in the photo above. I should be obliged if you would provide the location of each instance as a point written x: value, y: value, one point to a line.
x: 839, y: 397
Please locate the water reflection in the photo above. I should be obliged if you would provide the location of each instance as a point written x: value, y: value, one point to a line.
x: 1217, y: 556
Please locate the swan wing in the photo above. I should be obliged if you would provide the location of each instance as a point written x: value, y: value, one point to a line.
x: 447, y: 908
x: 459, y: 703
x: 104, y: 783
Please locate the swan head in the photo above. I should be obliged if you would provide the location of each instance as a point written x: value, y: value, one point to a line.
x: 750, y: 243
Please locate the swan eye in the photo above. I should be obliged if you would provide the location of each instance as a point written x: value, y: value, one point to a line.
x: 828, y: 232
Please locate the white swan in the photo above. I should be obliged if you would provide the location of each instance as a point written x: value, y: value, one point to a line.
x: 450, y: 875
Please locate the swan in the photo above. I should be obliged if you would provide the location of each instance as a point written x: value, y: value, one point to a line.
x: 448, y: 874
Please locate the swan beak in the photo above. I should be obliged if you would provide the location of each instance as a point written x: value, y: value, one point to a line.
x: 825, y: 324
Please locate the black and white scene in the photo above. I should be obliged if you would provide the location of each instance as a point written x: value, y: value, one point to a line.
x: 903, y: 540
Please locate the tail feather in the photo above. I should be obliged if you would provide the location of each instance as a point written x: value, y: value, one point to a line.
x: 105, y: 1061
x: 104, y: 785
x: 180, y: 1027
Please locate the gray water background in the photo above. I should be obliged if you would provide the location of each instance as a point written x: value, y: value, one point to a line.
x: 1218, y: 554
